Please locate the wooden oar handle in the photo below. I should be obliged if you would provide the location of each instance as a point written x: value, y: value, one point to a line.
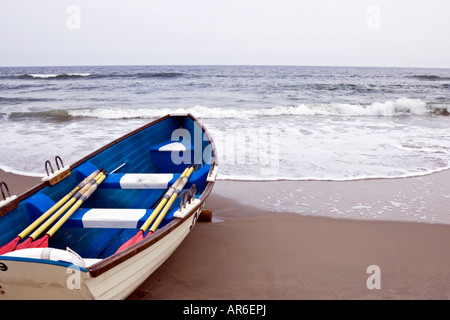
x: 171, y: 190
x: 89, y: 178
x: 94, y: 187
x: 182, y: 184
x: 175, y: 185
x: 88, y: 185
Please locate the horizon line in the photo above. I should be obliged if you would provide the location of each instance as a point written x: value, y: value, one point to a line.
x: 217, y: 65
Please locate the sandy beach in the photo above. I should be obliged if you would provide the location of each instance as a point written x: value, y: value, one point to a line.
x: 252, y: 253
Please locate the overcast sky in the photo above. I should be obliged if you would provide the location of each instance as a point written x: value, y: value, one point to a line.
x: 393, y: 33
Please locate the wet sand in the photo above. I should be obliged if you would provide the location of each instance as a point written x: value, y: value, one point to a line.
x: 251, y: 253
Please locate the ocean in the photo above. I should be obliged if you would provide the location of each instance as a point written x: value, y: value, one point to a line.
x: 268, y: 122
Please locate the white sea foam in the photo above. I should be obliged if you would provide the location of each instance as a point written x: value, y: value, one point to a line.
x: 331, y: 123
x: 389, y: 108
x: 9, y: 169
x: 43, y: 76
x: 53, y: 75
x: 346, y: 146
x: 386, y: 109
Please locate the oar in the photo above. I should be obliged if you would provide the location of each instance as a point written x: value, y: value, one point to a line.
x: 13, y: 244
x: 170, y: 202
x: 81, y: 195
x: 139, y: 236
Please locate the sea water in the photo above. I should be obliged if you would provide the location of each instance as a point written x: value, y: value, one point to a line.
x: 268, y: 122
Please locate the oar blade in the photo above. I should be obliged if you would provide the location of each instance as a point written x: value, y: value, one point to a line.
x: 10, y: 246
x: 149, y: 233
x: 40, y: 243
x: 138, y: 237
x: 24, y: 244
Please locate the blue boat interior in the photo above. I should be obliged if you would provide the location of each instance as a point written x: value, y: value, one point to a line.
x: 142, y: 153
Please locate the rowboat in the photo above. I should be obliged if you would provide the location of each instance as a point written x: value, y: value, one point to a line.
x: 98, y: 228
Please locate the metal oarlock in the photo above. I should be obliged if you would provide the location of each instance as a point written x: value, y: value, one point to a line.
x: 184, y: 199
x: 188, y: 201
x: 3, y: 184
x: 212, y: 172
x: 212, y: 168
x: 188, y: 196
x: 192, y: 193
x: 48, y: 164
x: 60, y: 161
x: 55, y: 176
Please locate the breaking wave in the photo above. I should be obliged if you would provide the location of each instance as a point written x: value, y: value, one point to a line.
x: 399, y: 107
x: 390, y: 108
x: 63, y: 76
x: 56, y: 76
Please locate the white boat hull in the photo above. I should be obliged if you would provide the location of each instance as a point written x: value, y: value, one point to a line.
x: 35, y: 279
x: 125, y: 201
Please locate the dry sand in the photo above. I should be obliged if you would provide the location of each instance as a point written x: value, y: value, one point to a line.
x: 250, y: 253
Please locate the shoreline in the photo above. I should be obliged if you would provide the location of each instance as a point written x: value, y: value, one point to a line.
x: 251, y: 253
x: 337, y: 180
x: 421, y: 199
